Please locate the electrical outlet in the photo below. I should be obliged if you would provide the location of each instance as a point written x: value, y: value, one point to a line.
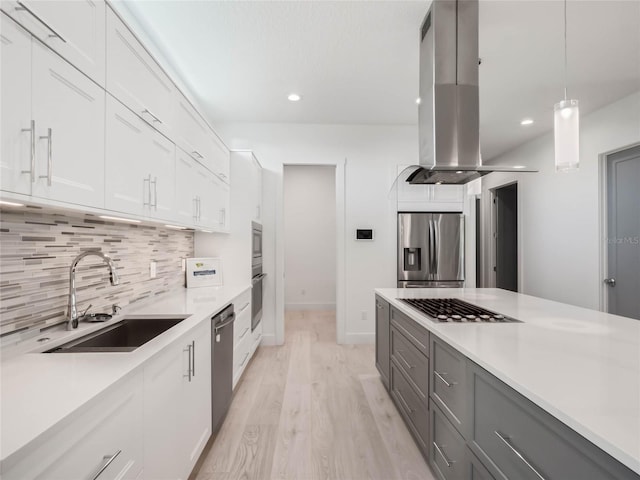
x: 152, y: 269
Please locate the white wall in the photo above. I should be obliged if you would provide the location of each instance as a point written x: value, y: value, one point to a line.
x: 310, y: 236
x: 366, y: 159
x: 561, y: 229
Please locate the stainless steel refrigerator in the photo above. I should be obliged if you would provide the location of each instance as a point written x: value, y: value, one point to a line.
x: 430, y: 250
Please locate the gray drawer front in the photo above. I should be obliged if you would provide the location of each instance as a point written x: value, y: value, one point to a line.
x: 410, y: 406
x: 412, y: 362
x: 532, y: 440
x: 477, y: 471
x: 448, y: 382
x: 447, y: 447
x: 418, y: 335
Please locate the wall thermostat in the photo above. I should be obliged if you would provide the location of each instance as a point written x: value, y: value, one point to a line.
x: 364, y: 234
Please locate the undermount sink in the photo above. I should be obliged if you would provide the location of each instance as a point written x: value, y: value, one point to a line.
x: 124, y: 336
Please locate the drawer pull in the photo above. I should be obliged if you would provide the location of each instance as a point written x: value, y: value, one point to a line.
x: 108, y: 459
x: 442, y: 379
x: 379, y: 306
x: 409, y: 366
x: 246, y: 355
x: 245, y: 307
x: 506, y: 441
x: 444, y: 457
x: 243, y: 333
x: 406, y: 405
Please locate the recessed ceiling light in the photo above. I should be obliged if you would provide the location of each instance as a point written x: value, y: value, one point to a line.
x: 459, y: 171
x: 294, y: 97
x: 175, y: 227
x: 119, y: 219
x: 11, y: 204
x: 526, y: 121
x: 418, y: 101
x: 439, y: 183
x: 519, y: 166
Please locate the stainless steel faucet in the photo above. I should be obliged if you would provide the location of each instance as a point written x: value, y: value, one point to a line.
x: 72, y: 321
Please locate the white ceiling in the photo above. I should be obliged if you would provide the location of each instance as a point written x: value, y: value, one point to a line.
x: 356, y: 62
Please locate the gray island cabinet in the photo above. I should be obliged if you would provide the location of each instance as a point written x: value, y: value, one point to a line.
x: 468, y: 424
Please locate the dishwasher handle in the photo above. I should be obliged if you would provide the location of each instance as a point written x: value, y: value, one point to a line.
x: 230, y: 319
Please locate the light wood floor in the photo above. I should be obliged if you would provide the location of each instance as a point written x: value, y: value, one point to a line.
x: 312, y: 409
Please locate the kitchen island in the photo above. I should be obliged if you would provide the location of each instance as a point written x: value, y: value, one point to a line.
x: 580, y: 366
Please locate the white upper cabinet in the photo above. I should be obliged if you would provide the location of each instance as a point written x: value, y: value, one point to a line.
x: 76, y: 30
x: 221, y: 159
x: 136, y: 79
x: 17, y: 159
x: 140, y: 166
x: 192, y: 133
x: 221, y: 202
x: 68, y: 110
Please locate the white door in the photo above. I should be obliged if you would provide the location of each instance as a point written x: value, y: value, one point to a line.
x: 128, y: 185
x: 196, y: 390
x: 69, y: 112
x: 186, y: 188
x: 76, y: 30
x: 623, y: 219
x: 17, y: 159
x: 136, y: 79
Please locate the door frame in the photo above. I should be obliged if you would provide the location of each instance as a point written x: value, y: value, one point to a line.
x: 492, y: 244
x: 603, y: 223
x: 341, y: 307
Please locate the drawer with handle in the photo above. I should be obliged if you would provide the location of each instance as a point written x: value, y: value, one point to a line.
x: 447, y: 447
x: 414, y: 364
x: 516, y: 439
x: 411, y: 407
x: 447, y: 382
x: 418, y: 335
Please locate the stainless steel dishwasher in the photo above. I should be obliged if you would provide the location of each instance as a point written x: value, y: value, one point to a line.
x: 221, y: 365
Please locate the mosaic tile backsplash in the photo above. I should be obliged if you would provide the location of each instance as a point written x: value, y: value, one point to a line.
x: 36, y: 251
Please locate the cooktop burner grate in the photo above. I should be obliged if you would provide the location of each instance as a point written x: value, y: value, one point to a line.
x: 454, y: 310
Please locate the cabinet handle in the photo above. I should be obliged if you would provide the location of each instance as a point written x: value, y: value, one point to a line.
x: 144, y: 182
x: 193, y: 358
x: 107, y: 461
x: 506, y: 441
x: 222, y: 175
x: 155, y: 119
x: 246, y: 355
x: 195, y: 208
x: 243, y: 333
x: 441, y: 378
x: 188, y: 349
x: 258, y: 212
x: 49, y: 138
x: 197, y: 154
x: 245, y: 307
x: 223, y: 217
x: 379, y: 306
x: 32, y: 172
x: 199, y: 208
x: 155, y: 192
x: 54, y: 34
x: 406, y: 405
x: 409, y: 366
x: 444, y: 457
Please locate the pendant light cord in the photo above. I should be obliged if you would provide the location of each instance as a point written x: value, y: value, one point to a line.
x: 565, y: 50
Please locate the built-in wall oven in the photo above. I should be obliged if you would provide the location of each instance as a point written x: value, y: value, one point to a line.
x: 257, y: 276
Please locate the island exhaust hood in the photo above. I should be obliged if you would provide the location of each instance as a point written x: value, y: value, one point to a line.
x: 449, y: 110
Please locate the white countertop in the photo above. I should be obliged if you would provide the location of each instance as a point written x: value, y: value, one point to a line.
x: 582, y: 366
x: 39, y: 390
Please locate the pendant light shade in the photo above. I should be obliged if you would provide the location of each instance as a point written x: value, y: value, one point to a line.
x: 566, y: 122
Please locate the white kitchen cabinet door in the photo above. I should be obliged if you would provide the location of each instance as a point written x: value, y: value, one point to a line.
x: 76, y: 30
x: 220, y: 165
x: 256, y: 182
x: 140, y: 166
x: 211, y: 190
x: 221, y: 202
x: 187, y: 188
x: 78, y: 447
x: 17, y: 160
x: 192, y: 133
x: 195, y: 419
x: 134, y: 78
x: 68, y: 109
x: 162, y: 409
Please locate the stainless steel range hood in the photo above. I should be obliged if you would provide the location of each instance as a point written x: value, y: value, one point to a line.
x: 449, y: 123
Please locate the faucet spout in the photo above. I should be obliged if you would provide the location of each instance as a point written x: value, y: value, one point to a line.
x: 72, y: 319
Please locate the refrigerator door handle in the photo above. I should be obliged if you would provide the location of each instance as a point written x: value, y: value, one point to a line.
x: 436, y: 233
x: 431, y: 248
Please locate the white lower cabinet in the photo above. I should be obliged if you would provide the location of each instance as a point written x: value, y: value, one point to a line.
x: 245, y: 340
x: 101, y: 441
x: 140, y: 166
x: 177, y: 414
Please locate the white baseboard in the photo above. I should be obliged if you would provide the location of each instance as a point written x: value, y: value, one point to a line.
x: 360, y: 338
x: 310, y: 306
x: 268, y: 339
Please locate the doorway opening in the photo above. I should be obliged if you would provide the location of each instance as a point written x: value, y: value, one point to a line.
x: 310, y: 250
x: 505, y: 236
x: 622, y: 210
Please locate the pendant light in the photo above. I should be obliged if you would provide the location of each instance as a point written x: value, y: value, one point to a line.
x: 566, y: 119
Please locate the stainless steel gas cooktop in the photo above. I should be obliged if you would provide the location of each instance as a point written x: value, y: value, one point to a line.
x: 454, y: 310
